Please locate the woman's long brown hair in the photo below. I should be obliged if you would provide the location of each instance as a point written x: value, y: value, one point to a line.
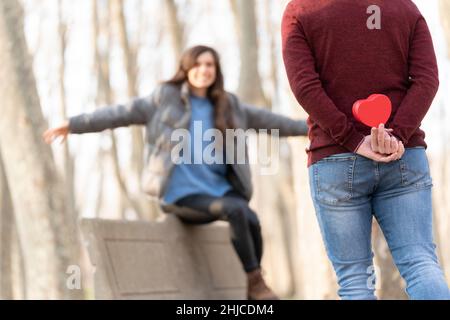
x: 216, y: 93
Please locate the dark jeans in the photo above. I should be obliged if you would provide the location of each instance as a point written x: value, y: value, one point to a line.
x: 245, y: 227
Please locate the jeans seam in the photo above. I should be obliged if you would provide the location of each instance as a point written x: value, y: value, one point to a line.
x: 351, y: 177
x: 316, y: 179
x: 413, y: 244
x: 403, y: 172
x: 417, y: 185
x: 423, y: 185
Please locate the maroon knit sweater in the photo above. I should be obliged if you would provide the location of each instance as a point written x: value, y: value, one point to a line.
x: 333, y: 59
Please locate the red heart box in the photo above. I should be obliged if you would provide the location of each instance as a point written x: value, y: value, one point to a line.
x: 374, y: 110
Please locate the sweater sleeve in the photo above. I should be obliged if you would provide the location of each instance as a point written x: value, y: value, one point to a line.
x: 259, y: 118
x: 137, y: 112
x: 307, y: 86
x: 424, y: 83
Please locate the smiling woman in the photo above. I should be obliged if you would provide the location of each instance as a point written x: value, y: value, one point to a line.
x: 203, y: 74
x: 197, y: 193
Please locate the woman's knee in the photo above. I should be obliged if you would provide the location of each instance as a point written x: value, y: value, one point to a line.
x: 240, y: 210
x: 253, y: 219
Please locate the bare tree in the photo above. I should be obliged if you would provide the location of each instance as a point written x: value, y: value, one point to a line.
x: 44, y: 230
x: 6, y: 226
x: 249, y: 89
x: 67, y: 159
x: 277, y: 209
x: 105, y: 96
x: 175, y: 28
x: 130, y: 61
x: 68, y: 164
x: 147, y: 209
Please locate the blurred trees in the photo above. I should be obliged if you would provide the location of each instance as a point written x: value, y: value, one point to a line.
x: 128, y: 52
x: 45, y: 230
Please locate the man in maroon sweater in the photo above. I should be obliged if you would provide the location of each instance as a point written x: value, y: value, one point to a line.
x: 337, y: 52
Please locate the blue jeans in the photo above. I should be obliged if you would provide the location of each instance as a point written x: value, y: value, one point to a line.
x: 348, y: 190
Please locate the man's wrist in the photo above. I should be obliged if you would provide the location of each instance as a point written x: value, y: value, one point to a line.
x: 359, y: 145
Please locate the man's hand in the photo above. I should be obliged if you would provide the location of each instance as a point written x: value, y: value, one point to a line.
x: 380, y: 146
x: 382, y: 142
x: 365, y: 150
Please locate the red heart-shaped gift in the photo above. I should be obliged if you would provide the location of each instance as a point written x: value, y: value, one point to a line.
x: 374, y: 110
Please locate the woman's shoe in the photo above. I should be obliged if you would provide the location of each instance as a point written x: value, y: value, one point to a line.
x: 257, y: 287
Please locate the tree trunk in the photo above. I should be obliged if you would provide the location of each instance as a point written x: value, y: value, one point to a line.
x: 69, y: 181
x: 315, y: 277
x: 104, y: 93
x: 249, y: 89
x: 274, y: 208
x: 6, y: 227
x: 175, y: 28
x: 105, y: 97
x: 130, y: 61
x: 49, y: 246
x: 146, y: 210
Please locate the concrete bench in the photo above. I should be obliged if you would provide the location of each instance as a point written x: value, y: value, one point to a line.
x: 163, y: 260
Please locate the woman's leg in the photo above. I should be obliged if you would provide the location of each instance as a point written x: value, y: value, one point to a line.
x: 240, y: 217
x: 245, y: 234
x: 254, y: 224
x: 403, y: 208
x: 340, y: 185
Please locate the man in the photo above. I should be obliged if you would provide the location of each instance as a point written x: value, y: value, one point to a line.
x: 338, y: 52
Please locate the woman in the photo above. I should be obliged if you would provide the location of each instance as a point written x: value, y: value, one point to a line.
x: 197, y: 193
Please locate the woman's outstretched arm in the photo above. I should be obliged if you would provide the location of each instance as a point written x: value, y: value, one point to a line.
x: 258, y: 118
x: 138, y: 112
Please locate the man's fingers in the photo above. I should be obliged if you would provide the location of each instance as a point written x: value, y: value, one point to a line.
x: 387, y: 144
x: 394, y: 145
x: 396, y: 155
x: 392, y: 157
x: 374, y: 139
x: 390, y: 144
x: 381, y: 145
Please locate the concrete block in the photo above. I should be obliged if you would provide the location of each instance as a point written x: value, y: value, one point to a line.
x: 163, y: 260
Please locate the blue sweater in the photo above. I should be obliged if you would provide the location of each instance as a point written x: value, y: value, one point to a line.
x: 190, y: 179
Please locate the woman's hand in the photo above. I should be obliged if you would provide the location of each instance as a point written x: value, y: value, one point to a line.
x: 51, y: 134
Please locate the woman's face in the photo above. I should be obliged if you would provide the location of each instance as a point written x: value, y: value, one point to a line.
x: 203, y: 74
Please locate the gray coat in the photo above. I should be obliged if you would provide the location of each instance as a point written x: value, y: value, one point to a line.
x: 167, y: 109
